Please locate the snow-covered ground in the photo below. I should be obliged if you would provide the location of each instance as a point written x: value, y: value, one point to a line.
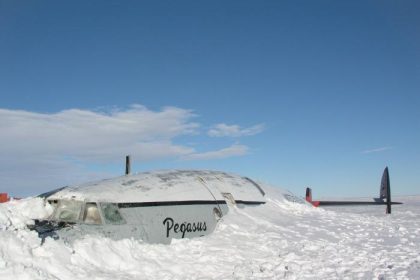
x: 278, y: 240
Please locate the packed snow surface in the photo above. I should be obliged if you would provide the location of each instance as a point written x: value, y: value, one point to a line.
x: 278, y: 240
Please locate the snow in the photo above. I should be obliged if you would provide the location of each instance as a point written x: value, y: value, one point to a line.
x: 278, y: 240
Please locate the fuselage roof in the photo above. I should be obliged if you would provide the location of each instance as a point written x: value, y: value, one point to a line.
x: 165, y: 185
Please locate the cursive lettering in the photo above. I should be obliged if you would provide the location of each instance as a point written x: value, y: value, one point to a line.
x: 183, y: 227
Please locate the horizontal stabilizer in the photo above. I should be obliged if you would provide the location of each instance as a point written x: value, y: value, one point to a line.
x: 349, y: 203
x: 384, y: 197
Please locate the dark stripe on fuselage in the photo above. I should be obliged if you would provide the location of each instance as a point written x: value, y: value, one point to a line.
x: 249, y: 202
x: 179, y: 203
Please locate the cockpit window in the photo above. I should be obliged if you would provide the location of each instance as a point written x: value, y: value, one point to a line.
x: 68, y: 211
x: 111, y: 214
x: 91, y: 215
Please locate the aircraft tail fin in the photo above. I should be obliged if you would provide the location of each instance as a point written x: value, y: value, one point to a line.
x: 308, y: 196
x: 383, y: 191
x: 4, y: 197
x: 388, y: 191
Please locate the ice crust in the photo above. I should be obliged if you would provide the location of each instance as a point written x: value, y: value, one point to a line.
x: 278, y: 240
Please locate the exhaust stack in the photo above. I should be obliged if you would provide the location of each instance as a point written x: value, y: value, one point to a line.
x: 127, y: 165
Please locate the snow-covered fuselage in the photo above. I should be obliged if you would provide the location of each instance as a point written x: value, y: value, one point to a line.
x: 152, y: 206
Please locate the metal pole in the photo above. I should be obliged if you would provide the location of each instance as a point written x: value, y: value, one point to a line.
x: 127, y: 165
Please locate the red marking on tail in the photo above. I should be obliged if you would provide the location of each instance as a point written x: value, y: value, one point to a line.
x: 4, y: 197
x: 315, y: 203
x: 309, y: 198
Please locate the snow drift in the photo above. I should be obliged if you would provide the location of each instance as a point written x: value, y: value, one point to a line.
x: 278, y: 240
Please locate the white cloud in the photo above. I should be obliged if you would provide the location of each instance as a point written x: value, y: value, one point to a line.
x: 224, y: 130
x: 234, y: 150
x: 95, y: 136
x: 377, y: 150
x: 44, y: 150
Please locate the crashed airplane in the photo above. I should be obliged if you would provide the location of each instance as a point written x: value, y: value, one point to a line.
x: 152, y: 206
x: 159, y: 206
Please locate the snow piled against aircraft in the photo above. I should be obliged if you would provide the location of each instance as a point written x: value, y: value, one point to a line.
x: 281, y: 239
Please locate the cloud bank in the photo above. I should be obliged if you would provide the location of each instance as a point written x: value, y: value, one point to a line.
x: 95, y: 136
x: 44, y: 149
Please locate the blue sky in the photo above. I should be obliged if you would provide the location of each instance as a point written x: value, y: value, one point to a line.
x: 294, y: 93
